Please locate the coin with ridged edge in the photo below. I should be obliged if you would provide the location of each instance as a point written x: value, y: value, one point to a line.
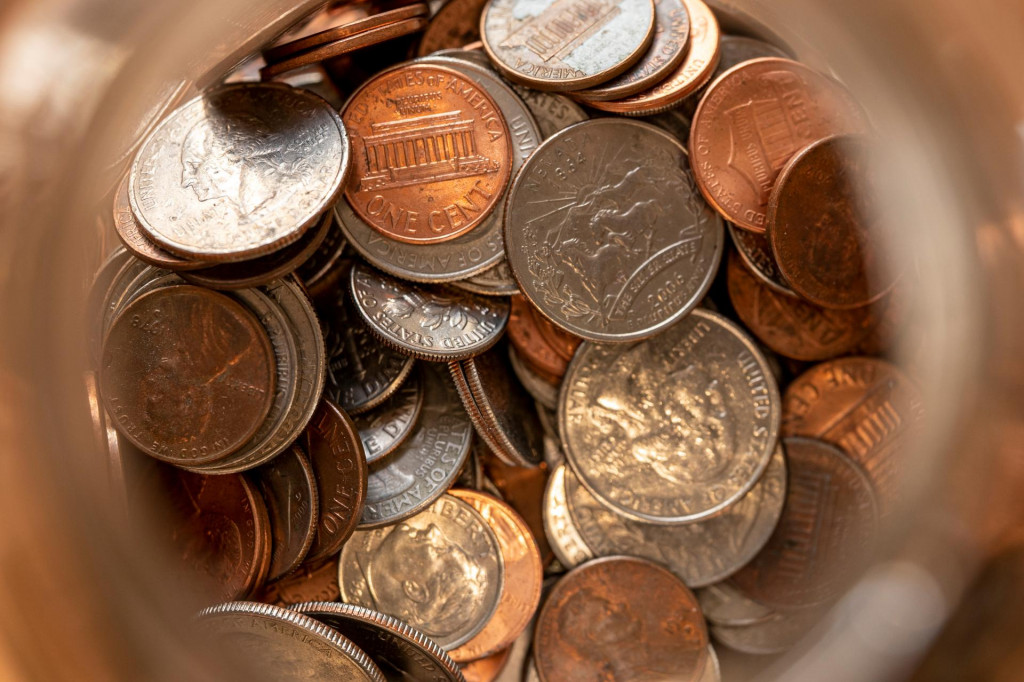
x: 288, y: 485
x: 385, y: 427
x: 564, y: 536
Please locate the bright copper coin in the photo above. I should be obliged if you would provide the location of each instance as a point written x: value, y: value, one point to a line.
x: 820, y: 225
x: 432, y: 153
x: 825, y: 535
x: 455, y: 25
x: 751, y: 122
x: 791, y: 326
x: 288, y: 485
x: 141, y: 246
x: 334, y: 447
x: 620, y: 618
x: 187, y: 374
x: 486, y: 669
x: 524, y: 577
x: 544, y: 346
x: 305, y: 584
x: 865, y: 406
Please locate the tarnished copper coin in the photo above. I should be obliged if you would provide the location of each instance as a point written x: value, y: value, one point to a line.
x: 524, y: 577
x: 336, y: 452
x: 455, y: 25
x: 141, y: 246
x: 385, y: 427
x: 751, y: 122
x: 431, y: 153
x: 187, y: 374
x: 289, y: 488
x: 305, y: 584
x: 523, y: 489
x: 544, y: 346
x: 620, y: 618
x: 791, y: 326
x: 826, y: 533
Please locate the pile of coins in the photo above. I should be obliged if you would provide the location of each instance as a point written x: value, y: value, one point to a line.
x: 430, y: 367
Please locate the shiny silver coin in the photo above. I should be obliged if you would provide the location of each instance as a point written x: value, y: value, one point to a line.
x: 551, y: 110
x: 774, y: 635
x: 563, y: 536
x: 441, y: 571
x: 673, y: 429
x: 386, y: 426
x: 725, y: 604
x: 537, y: 386
x: 494, y: 281
x: 756, y: 252
x: 239, y: 172
x: 607, y: 234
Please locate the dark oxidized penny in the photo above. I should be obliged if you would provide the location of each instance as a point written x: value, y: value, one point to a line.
x: 486, y: 669
x: 402, y: 652
x: 820, y: 225
x: 724, y: 604
x: 336, y: 452
x: 774, y: 635
x: 187, y: 374
x: 432, y: 323
x: 455, y: 25
x: 305, y: 584
x: 826, y: 533
x: 289, y: 488
x: 385, y: 427
x: 440, y: 571
x: 494, y: 281
x: 606, y: 233
x: 756, y: 251
x: 275, y: 643
x: 141, y: 246
x: 673, y: 429
x: 551, y: 110
x: 545, y: 347
x: 561, y: 531
x: 620, y: 618
x: 791, y: 326
x: 316, y: 271
x: 422, y: 467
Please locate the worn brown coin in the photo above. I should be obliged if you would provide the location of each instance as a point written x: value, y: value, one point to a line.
x: 769, y: 109
x: 486, y: 669
x: 562, y: 533
x: 305, y: 584
x: 385, y: 427
x: 455, y: 25
x: 336, y: 452
x: 289, y: 488
x: 141, y: 246
x: 544, y: 346
x: 558, y: 45
x: 432, y: 153
x: 620, y: 618
x: 187, y: 374
x: 756, y: 251
x: 402, y: 652
x: 826, y: 533
x: 791, y: 326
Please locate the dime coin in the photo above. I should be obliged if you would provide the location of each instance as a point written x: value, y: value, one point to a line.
x: 699, y: 553
x: 616, y: 618
x: 774, y: 635
x: 770, y: 109
x: 422, y: 467
x: 541, y: 344
x: 187, y: 374
x: 138, y: 243
x: 239, y: 172
x: 336, y: 452
x: 385, y: 427
x: 440, y: 571
x: 821, y: 226
x: 559, y: 45
x: 542, y: 389
x: 276, y: 643
x: 432, y: 153
x: 756, y: 251
x: 524, y: 576
x: 724, y: 604
x: 486, y: 669
x: 402, y: 652
x: 289, y: 488
x: 456, y: 24
x: 305, y: 584
x: 494, y: 281
x: 825, y: 535
x: 551, y: 110
x: 791, y: 326
x: 673, y: 429
x: 563, y: 535
x: 440, y: 323
x: 606, y: 232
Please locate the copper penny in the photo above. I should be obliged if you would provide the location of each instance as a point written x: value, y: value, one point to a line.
x: 524, y: 576
x: 187, y: 374
x: 141, y: 246
x: 751, y: 122
x: 455, y: 25
x: 336, y: 451
x: 486, y: 669
x: 523, y: 488
x: 544, y: 346
x: 288, y: 485
x: 305, y: 584
x: 865, y: 406
x: 791, y: 326
x: 432, y: 153
x: 825, y: 535
x: 620, y: 618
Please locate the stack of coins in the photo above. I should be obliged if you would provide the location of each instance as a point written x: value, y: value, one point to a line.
x: 451, y: 382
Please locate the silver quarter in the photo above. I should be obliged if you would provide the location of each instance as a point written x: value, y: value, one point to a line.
x: 386, y: 426
x: 563, y: 536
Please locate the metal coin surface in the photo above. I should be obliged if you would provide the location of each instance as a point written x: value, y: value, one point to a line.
x: 239, y: 172
x: 455, y: 25
x: 712, y: 669
x: 620, y: 618
x: 422, y: 467
x: 724, y: 604
x: 738, y: 49
x: 187, y: 374
x: 776, y: 634
x: 440, y: 571
x: 562, y: 533
x: 756, y: 251
x: 486, y: 669
x: 821, y: 225
x: 494, y: 281
x: 551, y: 110
x: 561, y: 45
x: 791, y: 326
x: 524, y: 577
x: 276, y: 643
x: 141, y: 246
x: 673, y: 122
x: 542, y: 389
x: 769, y: 109
x: 336, y: 452
x: 431, y: 323
x: 699, y: 553
x: 523, y: 489
x: 385, y: 427
x: 289, y: 488
x: 403, y: 653
x: 305, y: 584
x: 825, y: 535
x: 540, y: 343
x: 607, y: 234
x: 315, y: 272
x: 432, y: 153
x: 673, y: 429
